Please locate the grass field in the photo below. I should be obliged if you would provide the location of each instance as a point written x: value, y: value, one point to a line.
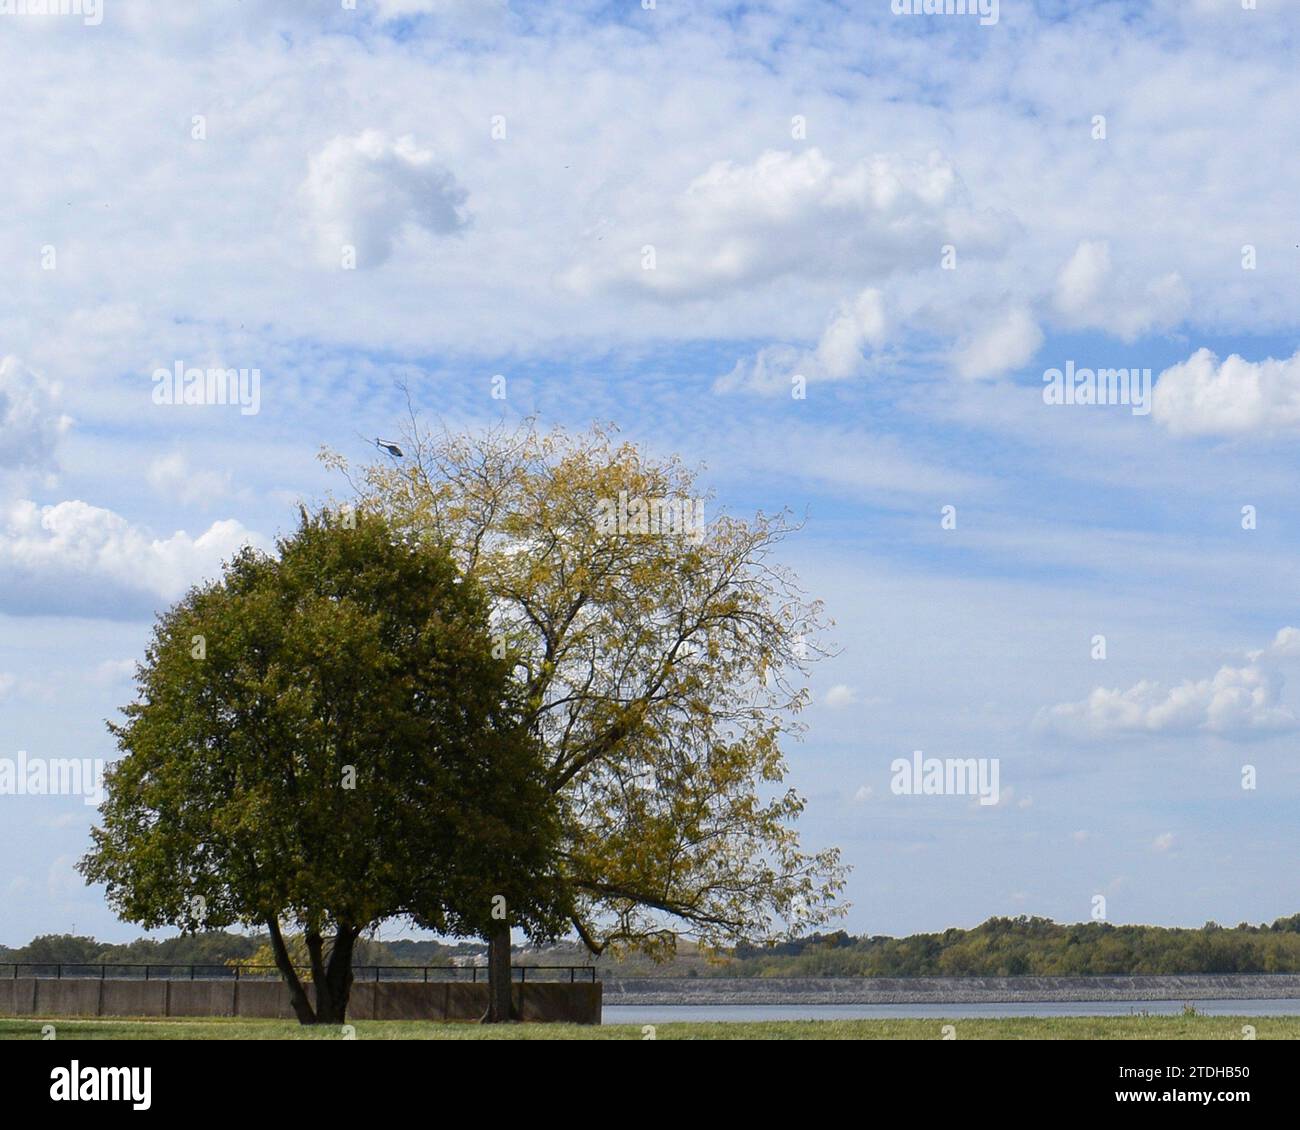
x: 1055, y: 1028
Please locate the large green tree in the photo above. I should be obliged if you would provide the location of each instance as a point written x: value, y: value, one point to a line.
x: 323, y: 739
x: 662, y: 659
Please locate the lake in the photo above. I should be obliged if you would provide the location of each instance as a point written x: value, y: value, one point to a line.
x: 667, y: 1013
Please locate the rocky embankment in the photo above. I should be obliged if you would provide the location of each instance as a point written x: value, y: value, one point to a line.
x: 946, y: 990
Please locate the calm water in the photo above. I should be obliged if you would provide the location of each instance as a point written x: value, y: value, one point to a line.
x: 665, y: 1014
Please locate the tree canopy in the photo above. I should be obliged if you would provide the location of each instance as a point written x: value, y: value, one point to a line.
x: 661, y: 666
x: 322, y: 740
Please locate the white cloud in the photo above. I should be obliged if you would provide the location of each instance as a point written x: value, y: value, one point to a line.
x: 864, y: 793
x: 1200, y: 396
x: 1236, y: 702
x: 699, y: 100
x: 172, y: 476
x: 31, y: 424
x: 363, y: 191
x: 114, y: 671
x: 79, y: 559
x: 1078, y: 287
x: 1011, y: 341
x: 840, y: 696
x: 1089, y: 293
x: 856, y: 328
x: 1286, y: 644
x: 1163, y: 842
x: 788, y: 214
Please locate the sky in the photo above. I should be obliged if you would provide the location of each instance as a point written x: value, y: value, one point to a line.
x: 828, y: 251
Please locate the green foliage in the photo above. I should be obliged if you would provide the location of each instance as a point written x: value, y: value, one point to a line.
x: 1009, y: 947
x: 325, y: 738
x: 218, y: 947
x: 68, y: 949
x: 1000, y: 947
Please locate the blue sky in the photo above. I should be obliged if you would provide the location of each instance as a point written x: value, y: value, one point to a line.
x: 798, y: 170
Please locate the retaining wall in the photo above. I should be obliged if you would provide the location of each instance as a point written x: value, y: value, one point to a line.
x: 387, y: 1000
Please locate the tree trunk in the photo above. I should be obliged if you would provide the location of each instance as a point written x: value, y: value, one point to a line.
x: 500, y: 1008
x: 324, y: 1001
x: 333, y: 977
x: 284, y: 963
x: 338, y: 975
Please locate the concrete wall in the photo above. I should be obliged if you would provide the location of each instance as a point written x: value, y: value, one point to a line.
x: 387, y: 1000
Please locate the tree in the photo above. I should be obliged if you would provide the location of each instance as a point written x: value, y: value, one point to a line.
x: 659, y: 657
x: 65, y: 949
x: 323, y: 740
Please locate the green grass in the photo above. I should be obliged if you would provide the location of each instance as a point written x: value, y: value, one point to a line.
x: 1026, y: 1028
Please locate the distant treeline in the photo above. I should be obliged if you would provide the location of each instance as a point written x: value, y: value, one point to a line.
x: 1000, y: 947
x: 216, y: 948
x: 1009, y: 947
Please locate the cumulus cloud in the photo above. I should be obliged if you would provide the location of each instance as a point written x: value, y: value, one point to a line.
x: 1091, y: 294
x: 75, y: 559
x: 856, y: 329
x: 31, y: 423
x: 1201, y: 396
x: 1011, y: 341
x: 788, y: 214
x: 1238, y: 701
x: 1285, y: 645
x: 363, y: 191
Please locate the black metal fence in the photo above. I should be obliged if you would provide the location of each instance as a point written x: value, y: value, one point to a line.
x: 103, y: 971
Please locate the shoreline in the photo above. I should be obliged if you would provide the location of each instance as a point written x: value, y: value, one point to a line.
x: 947, y: 990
